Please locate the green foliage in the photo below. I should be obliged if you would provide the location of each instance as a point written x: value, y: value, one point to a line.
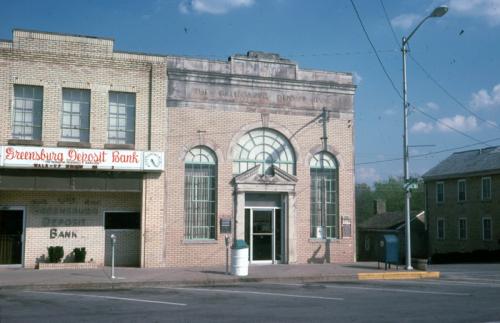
x: 392, y: 192
x: 55, y: 254
x: 79, y: 254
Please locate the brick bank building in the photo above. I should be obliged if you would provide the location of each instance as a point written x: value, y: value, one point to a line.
x: 171, y: 154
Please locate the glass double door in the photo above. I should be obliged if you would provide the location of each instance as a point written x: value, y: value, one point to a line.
x: 263, y: 234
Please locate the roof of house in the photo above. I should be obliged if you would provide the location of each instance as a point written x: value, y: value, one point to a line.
x: 467, y: 162
x: 387, y: 220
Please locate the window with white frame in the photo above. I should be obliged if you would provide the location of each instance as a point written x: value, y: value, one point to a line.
x: 324, y: 196
x: 486, y: 228
x: 440, y: 192
x: 440, y: 229
x: 121, y: 118
x: 264, y: 147
x: 462, y: 229
x: 461, y: 187
x: 27, y: 112
x: 486, y: 188
x: 75, y: 115
x: 200, y: 189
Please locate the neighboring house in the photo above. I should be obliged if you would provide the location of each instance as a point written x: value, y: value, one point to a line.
x: 171, y: 154
x: 372, y: 230
x: 463, y: 202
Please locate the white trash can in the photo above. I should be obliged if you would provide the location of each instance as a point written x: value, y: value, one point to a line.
x: 239, y: 258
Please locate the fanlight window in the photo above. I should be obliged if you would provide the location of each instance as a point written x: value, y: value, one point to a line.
x: 264, y: 147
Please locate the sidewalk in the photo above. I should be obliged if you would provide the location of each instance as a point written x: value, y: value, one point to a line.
x: 18, y: 278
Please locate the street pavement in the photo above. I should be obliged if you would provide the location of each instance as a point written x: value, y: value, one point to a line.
x: 465, y: 293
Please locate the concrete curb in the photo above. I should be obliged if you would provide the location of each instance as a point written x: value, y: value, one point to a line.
x: 400, y: 275
x: 207, y: 282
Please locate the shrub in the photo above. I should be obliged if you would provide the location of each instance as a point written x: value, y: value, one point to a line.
x: 55, y: 254
x: 476, y: 256
x: 79, y: 254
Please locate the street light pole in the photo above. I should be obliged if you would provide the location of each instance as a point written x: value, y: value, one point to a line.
x: 437, y: 12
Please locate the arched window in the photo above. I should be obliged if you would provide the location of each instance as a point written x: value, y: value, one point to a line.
x: 265, y: 147
x: 200, y: 190
x: 324, y: 196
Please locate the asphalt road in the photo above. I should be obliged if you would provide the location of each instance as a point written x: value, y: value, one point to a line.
x: 458, y: 297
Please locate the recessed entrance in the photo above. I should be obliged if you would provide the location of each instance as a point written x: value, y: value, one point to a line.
x: 263, y: 234
x: 11, y: 237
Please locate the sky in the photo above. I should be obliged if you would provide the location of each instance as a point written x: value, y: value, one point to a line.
x: 453, y: 68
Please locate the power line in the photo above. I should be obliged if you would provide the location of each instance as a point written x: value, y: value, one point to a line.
x: 389, y: 23
x: 444, y: 124
x: 452, y: 97
x: 429, y: 153
x: 392, y: 82
x: 374, y: 49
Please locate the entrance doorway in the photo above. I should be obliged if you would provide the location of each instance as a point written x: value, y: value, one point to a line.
x: 263, y: 234
x: 11, y: 237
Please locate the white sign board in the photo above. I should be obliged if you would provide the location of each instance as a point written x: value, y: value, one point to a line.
x: 75, y: 158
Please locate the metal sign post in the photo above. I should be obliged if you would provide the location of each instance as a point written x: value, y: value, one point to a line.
x: 113, y: 241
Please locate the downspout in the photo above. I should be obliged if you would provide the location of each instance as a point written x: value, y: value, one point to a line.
x: 145, y: 181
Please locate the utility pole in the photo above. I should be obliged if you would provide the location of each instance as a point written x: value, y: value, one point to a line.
x: 324, y: 141
x: 436, y: 13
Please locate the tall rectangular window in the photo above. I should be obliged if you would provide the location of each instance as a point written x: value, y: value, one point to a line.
x: 461, y: 190
x: 75, y: 115
x: 200, y: 190
x: 323, y: 182
x: 121, y: 121
x: 486, y: 188
x: 27, y: 112
x: 462, y: 229
x: 486, y: 228
x: 439, y: 192
x: 440, y: 229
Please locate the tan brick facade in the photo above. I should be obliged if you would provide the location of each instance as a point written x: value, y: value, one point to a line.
x: 181, y: 103
x: 54, y: 62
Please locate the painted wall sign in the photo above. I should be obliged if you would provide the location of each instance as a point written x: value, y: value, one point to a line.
x: 55, y: 233
x: 74, y: 158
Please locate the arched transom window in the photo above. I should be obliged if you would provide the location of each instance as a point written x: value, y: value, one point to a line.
x: 200, y: 189
x: 265, y: 147
x: 324, y: 196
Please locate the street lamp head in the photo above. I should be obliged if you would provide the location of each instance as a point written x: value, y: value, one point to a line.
x: 439, y: 12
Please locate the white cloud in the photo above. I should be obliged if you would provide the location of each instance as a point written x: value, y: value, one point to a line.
x: 487, y: 9
x: 389, y: 112
x: 214, y: 7
x: 483, y: 99
x: 405, y: 21
x: 422, y: 127
x: 432, y: 106
x: 458, y: 122
x: 357, y: 78
x: 367, y: 175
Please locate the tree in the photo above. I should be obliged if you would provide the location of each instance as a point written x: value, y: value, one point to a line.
x: 392, y: 192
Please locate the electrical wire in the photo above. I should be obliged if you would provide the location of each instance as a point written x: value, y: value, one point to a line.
x: 452, y: 97
x: 392, y: 82
x: 374, y: 49
x: 389, y: 23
